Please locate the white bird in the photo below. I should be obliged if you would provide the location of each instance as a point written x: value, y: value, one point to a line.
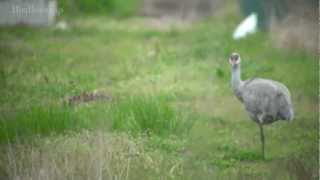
x: 247, y: 26
x: 266, y: 101
x: 62, y: 25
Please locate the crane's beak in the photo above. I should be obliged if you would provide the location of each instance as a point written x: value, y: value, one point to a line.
x: 233, y: 62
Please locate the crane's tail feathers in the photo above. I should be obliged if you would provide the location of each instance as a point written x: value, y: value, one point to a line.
x: 287, y: 115
x: 291, y: 116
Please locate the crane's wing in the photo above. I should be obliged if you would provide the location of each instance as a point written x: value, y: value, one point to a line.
x: 263, y: 96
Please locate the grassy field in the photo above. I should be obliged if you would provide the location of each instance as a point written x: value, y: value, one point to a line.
x: 124, y: 99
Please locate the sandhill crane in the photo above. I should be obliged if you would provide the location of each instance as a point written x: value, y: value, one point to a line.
x: 266, y: 101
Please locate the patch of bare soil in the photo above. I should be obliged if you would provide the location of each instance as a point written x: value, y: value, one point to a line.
x: 86, y: 97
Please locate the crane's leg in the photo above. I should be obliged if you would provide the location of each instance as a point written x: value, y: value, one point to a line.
x: 262, y: 139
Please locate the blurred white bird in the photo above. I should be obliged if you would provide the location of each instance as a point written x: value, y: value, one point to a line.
x: 62, y: 25
x: 247, y: 26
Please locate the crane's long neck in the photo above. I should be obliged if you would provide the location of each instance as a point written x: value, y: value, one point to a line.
x: 236, y: 81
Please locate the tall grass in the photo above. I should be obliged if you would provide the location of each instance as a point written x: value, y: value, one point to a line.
x: 36, y: 121
x: 86, y: 155
x: 138, y: 115
x: 150, y: 115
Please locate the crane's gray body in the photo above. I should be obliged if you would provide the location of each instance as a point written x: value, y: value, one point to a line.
x: 266, y: 101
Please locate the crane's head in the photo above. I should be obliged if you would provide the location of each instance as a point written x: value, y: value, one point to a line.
x: 234, y: 59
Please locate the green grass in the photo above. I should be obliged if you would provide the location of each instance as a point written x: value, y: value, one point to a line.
x: 36, y: 121
x: 148, y: 115
x: 170, y: 88
x: 134, y: 115
x: 116, y: 8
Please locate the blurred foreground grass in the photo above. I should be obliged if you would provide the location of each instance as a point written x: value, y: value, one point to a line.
x: 172, y: 113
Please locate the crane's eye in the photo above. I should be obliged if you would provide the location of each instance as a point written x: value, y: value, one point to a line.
x: 234, y: 58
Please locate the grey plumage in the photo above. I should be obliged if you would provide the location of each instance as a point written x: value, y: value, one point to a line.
x: 266, y: 101
x: 266, y: 98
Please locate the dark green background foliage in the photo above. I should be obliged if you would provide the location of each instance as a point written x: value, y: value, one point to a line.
x: 121, y: 8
